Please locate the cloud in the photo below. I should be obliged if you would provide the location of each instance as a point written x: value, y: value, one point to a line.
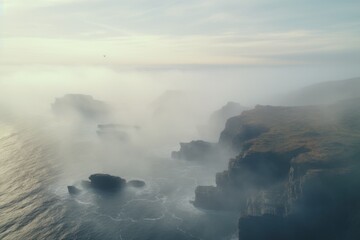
x: 177, y: 32
x: 228, y: 48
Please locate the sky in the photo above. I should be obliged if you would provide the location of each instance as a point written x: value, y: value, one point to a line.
x: 180, y: 32
x: 133, y: 51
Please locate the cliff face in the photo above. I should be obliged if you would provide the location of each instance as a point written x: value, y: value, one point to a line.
x: 296, y: 175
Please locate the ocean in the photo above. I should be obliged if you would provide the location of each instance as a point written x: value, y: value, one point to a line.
x: 35, y: 169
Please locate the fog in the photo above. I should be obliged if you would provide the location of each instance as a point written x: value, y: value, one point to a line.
x: 144, y: 90
x: 131, y: 90
x: 155, y: 109
x: 169, y: 104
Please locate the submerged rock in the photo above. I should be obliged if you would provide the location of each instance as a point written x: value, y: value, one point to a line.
x: 136, y: 183
x: 106, y: 182
x: 73, y: 190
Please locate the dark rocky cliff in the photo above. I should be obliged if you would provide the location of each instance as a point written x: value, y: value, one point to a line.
x: 296, y: 175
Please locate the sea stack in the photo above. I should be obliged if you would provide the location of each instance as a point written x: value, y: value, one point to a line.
x: 106, y: 182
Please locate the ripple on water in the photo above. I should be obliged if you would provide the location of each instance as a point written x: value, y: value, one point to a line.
x: 34, y: 204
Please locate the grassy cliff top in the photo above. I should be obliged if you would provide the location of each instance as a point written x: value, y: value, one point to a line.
x: 328, y: 132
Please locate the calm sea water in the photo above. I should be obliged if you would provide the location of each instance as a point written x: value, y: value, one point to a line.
x: 34, y: 203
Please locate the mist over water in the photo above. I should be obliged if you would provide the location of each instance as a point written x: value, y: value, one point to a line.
x: 43, y: 152
x: 39, y: 159
x: 151, y: 92
x: 132, y: 91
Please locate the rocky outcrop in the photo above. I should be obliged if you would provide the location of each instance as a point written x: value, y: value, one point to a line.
x: 82, y: 106
x: 218, y: 119
x: 250, y: 176
x: 296, y: 175
x: 106, y: 182
x: 231, y: 109
x: 196, y: 150
x: 73, y: 190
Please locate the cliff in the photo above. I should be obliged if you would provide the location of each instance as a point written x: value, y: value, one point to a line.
x: 296, y: 172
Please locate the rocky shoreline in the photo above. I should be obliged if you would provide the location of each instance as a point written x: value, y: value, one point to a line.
x: 292, y: 177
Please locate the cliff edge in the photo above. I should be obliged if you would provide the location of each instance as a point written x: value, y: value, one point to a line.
x: 296, y: 174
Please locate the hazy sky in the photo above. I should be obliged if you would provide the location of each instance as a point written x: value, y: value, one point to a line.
x: 130, y: 52
x: 181, y: 32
